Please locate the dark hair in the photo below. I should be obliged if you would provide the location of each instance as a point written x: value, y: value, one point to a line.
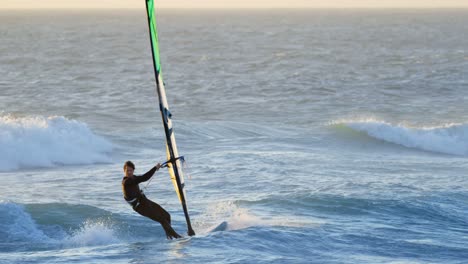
x: 129, y: 164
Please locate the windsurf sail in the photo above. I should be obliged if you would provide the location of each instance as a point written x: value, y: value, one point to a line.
x: 173, y: 159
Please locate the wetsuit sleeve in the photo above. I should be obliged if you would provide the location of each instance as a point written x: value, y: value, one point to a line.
x: 146, y: 176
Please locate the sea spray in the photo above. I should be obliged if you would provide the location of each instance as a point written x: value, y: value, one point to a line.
x: 228, y: 215
x: 92, y: 233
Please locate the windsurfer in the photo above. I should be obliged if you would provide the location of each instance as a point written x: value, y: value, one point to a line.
x: 142, y: 205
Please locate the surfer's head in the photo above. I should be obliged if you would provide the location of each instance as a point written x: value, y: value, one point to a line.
x: 128, y: 168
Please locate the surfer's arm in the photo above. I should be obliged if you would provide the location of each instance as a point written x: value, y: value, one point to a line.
x: 148, y: 174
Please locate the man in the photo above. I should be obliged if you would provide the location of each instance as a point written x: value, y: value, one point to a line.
x: 142, y: 205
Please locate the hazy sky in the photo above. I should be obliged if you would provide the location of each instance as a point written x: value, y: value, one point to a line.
x: 232, y: 3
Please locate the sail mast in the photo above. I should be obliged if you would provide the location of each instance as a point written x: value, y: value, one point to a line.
x: 174, y: 162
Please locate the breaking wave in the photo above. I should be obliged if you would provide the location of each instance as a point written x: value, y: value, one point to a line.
x: 37, y: 141
x: 448, y: 139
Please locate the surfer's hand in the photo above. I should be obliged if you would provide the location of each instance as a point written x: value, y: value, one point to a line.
x: 158, y: 166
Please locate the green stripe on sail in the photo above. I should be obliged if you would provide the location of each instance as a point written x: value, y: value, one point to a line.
x: 154, y: 36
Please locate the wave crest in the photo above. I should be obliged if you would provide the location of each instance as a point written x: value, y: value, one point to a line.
x: 61, y: 225
x: 36, y: 141
x: 448, y: 139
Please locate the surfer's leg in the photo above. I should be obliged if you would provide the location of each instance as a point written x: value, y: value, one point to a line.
x: 163, y: 217
x: 158, y: 213
x: 155, y: 212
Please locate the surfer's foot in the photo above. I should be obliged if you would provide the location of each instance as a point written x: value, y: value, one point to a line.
x: 170, y: 233
x: 172, y: 236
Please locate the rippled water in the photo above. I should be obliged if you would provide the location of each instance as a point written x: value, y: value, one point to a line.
x: 312, y: 136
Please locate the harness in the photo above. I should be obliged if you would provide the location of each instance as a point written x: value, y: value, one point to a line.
x: 135, y: 202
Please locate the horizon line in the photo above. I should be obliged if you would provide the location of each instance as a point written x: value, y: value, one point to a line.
x: 228, y: 8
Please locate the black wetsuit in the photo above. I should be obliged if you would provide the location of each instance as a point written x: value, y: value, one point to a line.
x: 142, y: 205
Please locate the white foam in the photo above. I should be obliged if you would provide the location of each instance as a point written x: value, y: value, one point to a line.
x: 27, y: 142
x: 92, y: 233
x: 448, y: 139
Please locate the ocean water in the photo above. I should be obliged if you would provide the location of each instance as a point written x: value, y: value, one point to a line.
x: 311, y: 136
